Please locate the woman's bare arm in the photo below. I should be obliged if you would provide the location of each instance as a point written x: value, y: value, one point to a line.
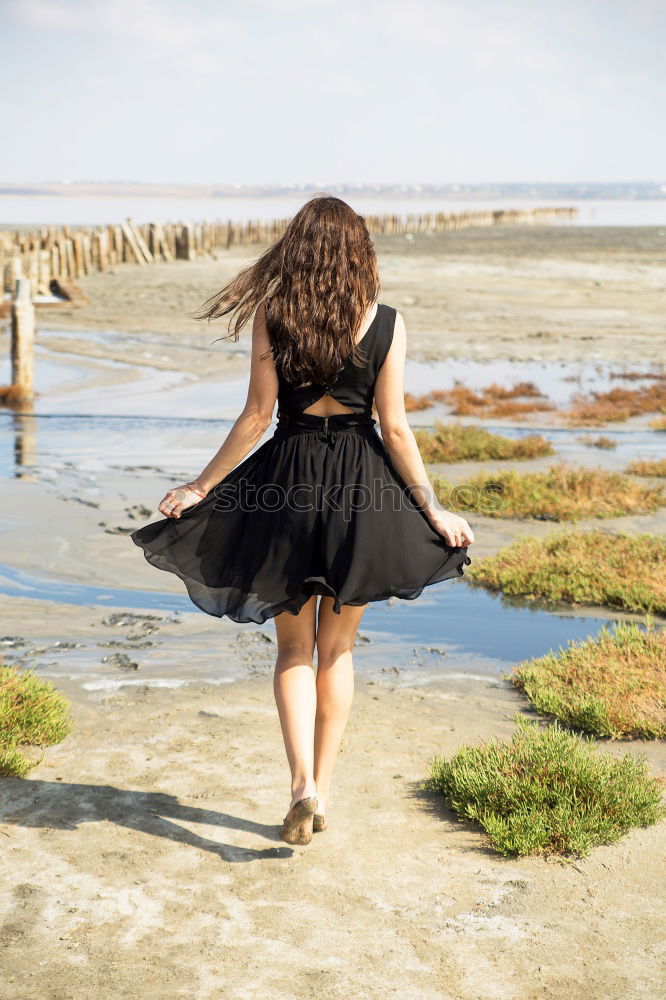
x: 253, y: 421
x: 401, y: 445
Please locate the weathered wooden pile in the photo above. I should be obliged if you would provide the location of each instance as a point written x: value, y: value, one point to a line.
x: 70, y: 252
x: 50, y: 259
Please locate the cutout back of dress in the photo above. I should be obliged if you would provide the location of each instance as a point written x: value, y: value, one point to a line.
x: 355, y: 385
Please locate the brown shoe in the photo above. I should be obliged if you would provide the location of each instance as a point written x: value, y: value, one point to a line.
x: 318, y: 822
x: 297, y: 825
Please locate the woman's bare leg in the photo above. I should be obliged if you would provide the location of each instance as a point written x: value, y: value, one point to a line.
x: 295, y: 694
x: 335, y: 688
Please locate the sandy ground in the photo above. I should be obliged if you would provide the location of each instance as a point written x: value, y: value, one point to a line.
x: 143, y: 860
x: 142, y: 857
x: 518, y: 292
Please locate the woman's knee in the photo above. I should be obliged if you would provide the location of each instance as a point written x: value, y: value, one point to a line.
x: 293, y: 652
x: 330, y: 652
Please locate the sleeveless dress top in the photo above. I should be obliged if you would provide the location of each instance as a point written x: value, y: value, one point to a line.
x: 354, y: 386
x: 318, y: 508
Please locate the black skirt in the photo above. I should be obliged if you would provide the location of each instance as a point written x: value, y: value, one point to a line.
x: 317, y: 509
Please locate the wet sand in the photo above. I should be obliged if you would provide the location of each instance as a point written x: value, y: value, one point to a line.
x: 518, y: 292
x: 143, y: 851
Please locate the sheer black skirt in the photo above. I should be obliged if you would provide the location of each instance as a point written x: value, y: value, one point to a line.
x: 317, y: 509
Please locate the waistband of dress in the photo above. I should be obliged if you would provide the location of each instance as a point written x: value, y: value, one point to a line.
x: 336, y: 421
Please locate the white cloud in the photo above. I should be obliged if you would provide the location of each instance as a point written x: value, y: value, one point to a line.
x: 489, y: 37
x: 161, y: 28
x: 422, y: 66
x: 44, y: 14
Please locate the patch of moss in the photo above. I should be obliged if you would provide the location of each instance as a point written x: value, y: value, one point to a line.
x: 585, y: 567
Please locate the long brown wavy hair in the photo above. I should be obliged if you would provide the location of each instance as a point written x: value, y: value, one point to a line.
x: 317, y: 282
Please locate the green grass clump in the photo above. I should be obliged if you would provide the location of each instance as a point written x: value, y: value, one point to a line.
x: 32, y: 713
x: 457, y: 443
x: 584, y: 567
x: 547, y: 791
x: 646, y: 468
x: 561, y: 493
x: 613, y: 684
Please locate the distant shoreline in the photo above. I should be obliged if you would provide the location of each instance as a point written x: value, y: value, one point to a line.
x: 638, y: 190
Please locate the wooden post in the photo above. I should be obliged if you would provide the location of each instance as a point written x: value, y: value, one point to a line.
x: 188, y: 252
x: 44, y: 272
x: 33, y: 268
x: 16, y: 272
x: 23, y: 340
x: 131, y: 242
x: 55, y: 261
x: 138, y: 242
x: 86, y: 253
x: 119, y: 244
x: 158, y: 242
x: 79, y: 265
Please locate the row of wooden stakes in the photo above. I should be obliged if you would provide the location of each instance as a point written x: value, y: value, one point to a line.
x: 61, y: 253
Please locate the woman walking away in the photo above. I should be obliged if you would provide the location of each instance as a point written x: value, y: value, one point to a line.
x: 326, y: 515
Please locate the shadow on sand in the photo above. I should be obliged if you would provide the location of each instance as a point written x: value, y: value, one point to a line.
x: 64, y: 806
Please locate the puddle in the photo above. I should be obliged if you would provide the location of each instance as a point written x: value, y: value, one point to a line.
x: 127, y: 421
x: 452, y: 630
x: 142, y: 390
x: 79, y: 430
x: 66, y: 382
x: 50, y: 376
x: 65, y: 449
x: 559, y: 380
x: 56, y: 446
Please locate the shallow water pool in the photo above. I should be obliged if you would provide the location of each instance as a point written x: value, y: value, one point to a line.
x: 453, y: 629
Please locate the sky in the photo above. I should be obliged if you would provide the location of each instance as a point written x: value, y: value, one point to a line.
x: 331, y: 91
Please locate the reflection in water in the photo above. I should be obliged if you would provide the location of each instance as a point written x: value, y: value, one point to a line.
x: 24, y: 432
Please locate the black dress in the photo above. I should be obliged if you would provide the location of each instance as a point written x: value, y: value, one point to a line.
x: 317, y: 509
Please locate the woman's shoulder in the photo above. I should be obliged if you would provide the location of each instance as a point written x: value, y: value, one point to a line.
x: 392, y: 319
x: 391, y: 313
x: 385, y: 317
x: 389, y: 322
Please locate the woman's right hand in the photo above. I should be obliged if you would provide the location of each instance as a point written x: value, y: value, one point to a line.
x: 177, y: 500
x: 454, y: 528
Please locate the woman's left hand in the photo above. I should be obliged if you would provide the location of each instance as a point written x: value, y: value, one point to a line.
x: 178, y: 500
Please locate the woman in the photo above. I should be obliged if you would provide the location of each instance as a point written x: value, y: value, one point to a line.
x: 325, y: 516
